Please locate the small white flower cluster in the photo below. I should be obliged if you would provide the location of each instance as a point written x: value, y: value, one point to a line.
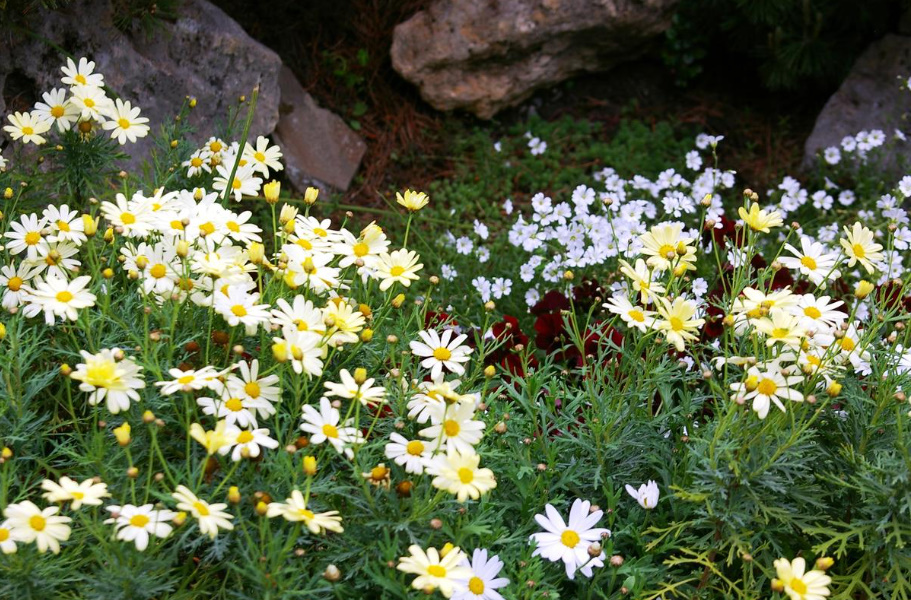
x: 84, y: 104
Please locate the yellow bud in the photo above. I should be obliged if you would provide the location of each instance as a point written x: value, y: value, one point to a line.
x: 8, y: 193
x: 198, y: 194
x: 308, y: 266
x: 398, y: 301
x: 108, y: 273
x: 364, y: 310
x: 133, y: 472
x: 446, y: 549
x: 310, y: 465
x: 192, y: 102
x: 289, y: 227
x: 287, y: 214
x: 360, y: 375
x: 173, y: 143
x: 863, y: 289
x: 490, y: 305
x: 179, y: 519
x: 6, y: 453
x: 272, y: 191
x: 257, y: 253
x: 366, y: 335
x: 89, y: 225
x: 233, y: 495
x: 680, y: 270
x: 489, y: 371
x: 280, y: 353
x: 65, y: 370
x: 777, y: 585
x: 2, y: 332
x: 824, y: 562
x: 148, y: 417
x: 751, y: 383
x: 109, y: 235
x: 183, y: 248
x: 262, y: 508
x: 834, y: 389
x: 311, y: 195
x: 568, y: 275
x: 122, y: 434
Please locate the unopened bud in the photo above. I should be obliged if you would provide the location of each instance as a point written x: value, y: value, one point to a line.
x: 332, y: 574
x: 310, y: 195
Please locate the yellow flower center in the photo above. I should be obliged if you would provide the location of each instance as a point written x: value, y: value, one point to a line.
x: 89, y: 103
x: 676, y: 323
x: 415, y: 448
x: 63, y: 226
x: 234, y: 404
x: 436, y: 571
x: 101, y: 374
x: 57, y: 111
x: 812, y: 312
x: 859, y: 251
x: 239, y: 310
x: 569, y: 538
x: 127, y: 218
x: 396, y: 271
x: 306, y: 514
x: 4, y: 534
x: 244, y: 437
x: 259, y: 156
x: 201, y: 508
x: 178, y: 225
x: 208, y: 228
x: 379, y: 472
x: 442, y: 353
x: 476, y: 586
x: 466, y: 475
x: 124, y: 124
x: 232, y: 226
x: 665, y: 250
x: 158, y: 271
x: 32, y: 238
x: 305, y: 244
x: 77, y: 495
x: 252, y: 389
x: 814, y: 360
x: 320, y: 231
x: 14, y: 283
x: 808, y: 262
x: 186, y: 379
x: 215, y: 146
x: 767, y: 387
x: 360, y: 249
x: 301, y: 325
x: 330, y: 430
x: 196, y: 162
x: 235, y: 184
x: 37, y: 522
x: 64, y: 296
x: 80, y: 79
x: 28, y: 130
x: 451, y: 428
x: 636, y: 315
x: 847, y: 344
x: 780, y: 332
x: 139, y: 521
x: 798, y: 586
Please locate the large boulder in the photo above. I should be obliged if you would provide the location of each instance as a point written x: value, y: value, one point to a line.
x: 485, y: 55
x: 204, y: 54
x: 871, y: 97
x: 319, y: 148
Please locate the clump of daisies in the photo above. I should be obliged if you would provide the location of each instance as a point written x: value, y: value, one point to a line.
x: 80, y: 105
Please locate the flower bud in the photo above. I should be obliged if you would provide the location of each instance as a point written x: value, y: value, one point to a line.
x: 863, y: 289
x: 360, y: 375
x: 332, y: 574
x: 2, y: 332
x: 398, y: 301
x: 777, y: 585
x: 122, y: 434
x: 436, y: 524
x: 366, y: 335
x: 272, y: 191
x: 257, y: 253
x: 616, y: 560
x: 834, y: 389
x: 262, y: 508
x: 824, y: 562
x: 489, y: 371
x: 310, y: 195
x: 65, y: 370
x: 6, y: 453
x: 183, y: 248
x: 310, y: 465
x: 288, y: 213
x: 109, y: 235
x: 132, y: 472
x: 233, y: 495
x: 8, y: 193
x: 280, y: 353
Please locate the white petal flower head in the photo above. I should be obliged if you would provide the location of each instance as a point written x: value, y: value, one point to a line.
x: 647, y: 494
x: 137, y: 523
x: 27, y: 523
x: 211, y: 517
x: 66, y: 490
x: 569, y: 542
x: 441, y: 351
x: 483, y: 582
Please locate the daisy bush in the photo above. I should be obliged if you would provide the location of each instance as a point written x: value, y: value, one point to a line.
x: 651, y: 386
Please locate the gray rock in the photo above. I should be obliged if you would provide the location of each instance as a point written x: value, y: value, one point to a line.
x: 204, y: 54
x: 870, y: 98
x: 484, y: 55
x: 319, y: 148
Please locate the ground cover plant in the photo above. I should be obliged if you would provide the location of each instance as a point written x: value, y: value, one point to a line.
x: 650, y: 384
